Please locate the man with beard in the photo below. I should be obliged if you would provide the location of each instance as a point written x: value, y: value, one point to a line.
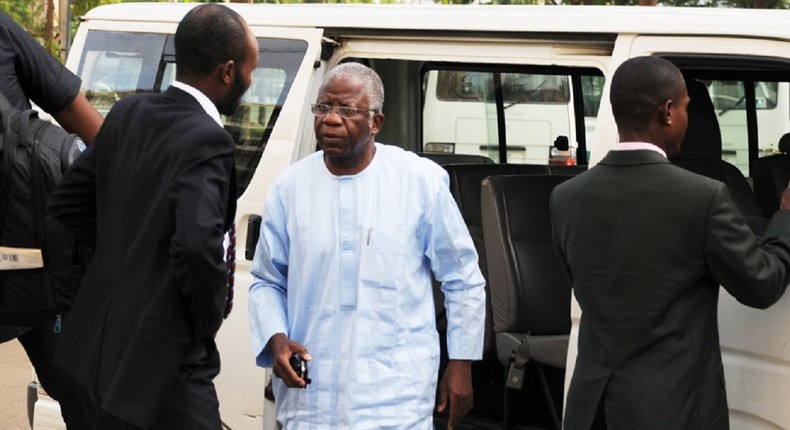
x: 154, y: 196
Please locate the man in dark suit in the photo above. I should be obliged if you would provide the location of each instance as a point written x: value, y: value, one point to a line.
x: 646, y: 245
x: 154, y: 196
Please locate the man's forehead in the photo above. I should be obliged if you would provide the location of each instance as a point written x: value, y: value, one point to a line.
x: 343, y: 89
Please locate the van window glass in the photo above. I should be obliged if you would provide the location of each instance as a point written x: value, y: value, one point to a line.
x: 592, y: 90
x: 731, y: 103
x: 117, y: 64
x: 727, y: 95
x: 462, y: 114
x: 114, y: 65
x: 454, y: 85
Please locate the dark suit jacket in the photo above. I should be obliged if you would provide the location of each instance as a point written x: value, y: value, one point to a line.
x: 153, y: 195
x: 646, y: 245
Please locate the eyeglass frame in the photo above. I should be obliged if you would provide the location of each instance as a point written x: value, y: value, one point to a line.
x: 341, y: 111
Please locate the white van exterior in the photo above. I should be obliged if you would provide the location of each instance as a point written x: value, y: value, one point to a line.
x: 124, y: 48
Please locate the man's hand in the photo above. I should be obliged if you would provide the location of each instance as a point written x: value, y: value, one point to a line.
x: 784, y: 204
x: 282, y: 350
x: 455, y: 389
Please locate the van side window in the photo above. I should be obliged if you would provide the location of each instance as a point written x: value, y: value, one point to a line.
x: 114, y: 65
x: 516, y: 113
x: 730, y: 101
x: 117, y: 64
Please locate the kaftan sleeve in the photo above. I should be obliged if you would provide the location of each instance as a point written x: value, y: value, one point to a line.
x: 268, y: 299
x: 454, y: 264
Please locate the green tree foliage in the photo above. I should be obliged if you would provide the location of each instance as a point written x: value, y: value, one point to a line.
x: 29, y: 14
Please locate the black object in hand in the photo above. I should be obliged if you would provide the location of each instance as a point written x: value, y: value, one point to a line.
x: 299, y: 366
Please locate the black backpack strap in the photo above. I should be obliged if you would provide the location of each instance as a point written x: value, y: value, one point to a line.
x: 8, y: 148
x: 10, y: 140
x: 39, y: 199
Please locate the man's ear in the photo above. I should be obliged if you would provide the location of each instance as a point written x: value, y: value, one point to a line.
x: 666, y: 111
x: 227, y: 72
x: 378, y: 121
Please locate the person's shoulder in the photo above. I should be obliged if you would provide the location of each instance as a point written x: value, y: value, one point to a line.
x: 8, y: 24
x: 298, y: 168
x: 692, y: 180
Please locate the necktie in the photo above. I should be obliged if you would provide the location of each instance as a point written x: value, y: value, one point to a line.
x: 230, y: 259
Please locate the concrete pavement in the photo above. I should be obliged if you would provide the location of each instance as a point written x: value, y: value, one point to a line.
x: 15, y: 373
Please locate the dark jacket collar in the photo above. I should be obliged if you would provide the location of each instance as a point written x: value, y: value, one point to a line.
x: 181, y: 96
x: 631, y: 158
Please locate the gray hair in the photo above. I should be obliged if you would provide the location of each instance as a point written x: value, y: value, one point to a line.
x: 369, y: 79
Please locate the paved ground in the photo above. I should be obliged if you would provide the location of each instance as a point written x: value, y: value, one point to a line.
x: 15, y: 374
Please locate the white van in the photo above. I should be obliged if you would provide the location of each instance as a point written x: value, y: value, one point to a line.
x: 440, y: 66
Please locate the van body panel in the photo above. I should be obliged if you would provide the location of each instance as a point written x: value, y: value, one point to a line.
x: 483, y: 19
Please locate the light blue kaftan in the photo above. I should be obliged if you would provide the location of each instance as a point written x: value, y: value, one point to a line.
x: 343, y: 266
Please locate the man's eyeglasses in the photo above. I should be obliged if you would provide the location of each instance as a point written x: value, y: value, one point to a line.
x: 322, y: 110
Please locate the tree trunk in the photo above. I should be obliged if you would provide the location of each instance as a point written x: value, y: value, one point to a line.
x: 49, y: 29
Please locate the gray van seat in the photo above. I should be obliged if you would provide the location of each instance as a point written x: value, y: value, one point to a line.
x: 530, y: 294
x: 701, y: 153
x: 771, y: 175
x: 445, y: 158
x: 465, y: 184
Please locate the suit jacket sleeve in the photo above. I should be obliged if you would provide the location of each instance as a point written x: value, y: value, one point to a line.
x: 755, y: 274
x: 199, y: 198
x: 73, y: 201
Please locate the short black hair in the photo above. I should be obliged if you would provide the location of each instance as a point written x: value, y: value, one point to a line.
x: 207, y: 36
x: 639, y: 86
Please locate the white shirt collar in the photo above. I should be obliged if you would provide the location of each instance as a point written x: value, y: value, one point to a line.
x: 205, y: 103
x: 634, y: 146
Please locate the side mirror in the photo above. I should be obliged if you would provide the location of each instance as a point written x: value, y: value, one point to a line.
x: 561, y: 143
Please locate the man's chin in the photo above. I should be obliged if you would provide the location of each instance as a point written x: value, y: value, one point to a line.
x: 333, y: 152
x: 228, y: 110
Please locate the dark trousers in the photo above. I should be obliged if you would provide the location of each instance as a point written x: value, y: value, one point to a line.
x: 40, y: 344
x: 192, y: 403
x: 600, y: 417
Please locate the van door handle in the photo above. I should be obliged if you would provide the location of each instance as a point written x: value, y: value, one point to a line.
x: 253, y: 231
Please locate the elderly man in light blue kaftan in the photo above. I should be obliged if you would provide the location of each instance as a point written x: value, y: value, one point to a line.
x: 350, y: 238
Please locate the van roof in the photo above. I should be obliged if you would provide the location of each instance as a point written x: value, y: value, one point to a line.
x: 482, y: 18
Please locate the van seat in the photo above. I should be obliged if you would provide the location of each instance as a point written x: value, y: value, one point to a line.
x: 561, y: 169
x: 443, y: 158
x: 701, y: 153
x: 465, y: 185
x: 771, y: 175
x: 530, y: 294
